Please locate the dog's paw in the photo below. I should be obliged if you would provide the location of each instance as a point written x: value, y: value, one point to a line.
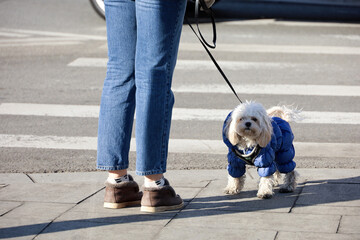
x: 232, y: 191
x: 286, y: 189
x: 265, y: 195
x: 290, y: 182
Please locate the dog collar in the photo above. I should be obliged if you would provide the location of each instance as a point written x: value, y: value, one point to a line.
x: 250, y: 157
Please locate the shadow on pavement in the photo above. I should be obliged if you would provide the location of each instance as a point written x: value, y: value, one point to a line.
x: 311, y: 193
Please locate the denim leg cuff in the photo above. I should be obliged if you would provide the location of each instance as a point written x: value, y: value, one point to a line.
x: 153, y: 172
x: 111, y: 168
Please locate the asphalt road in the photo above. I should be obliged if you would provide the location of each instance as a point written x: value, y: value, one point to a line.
x: 53, y: 54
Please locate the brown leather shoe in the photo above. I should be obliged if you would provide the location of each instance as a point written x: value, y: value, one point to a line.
x: 123, y: 194
x: 160, y: 199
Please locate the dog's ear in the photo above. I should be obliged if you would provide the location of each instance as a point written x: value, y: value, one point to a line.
x: 233, y: 137
x: 266, y: 131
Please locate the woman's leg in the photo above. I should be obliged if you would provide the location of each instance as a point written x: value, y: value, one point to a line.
x: 118, y: 105
x: 118, y: 96
x: 159, y: 25
x: 158, y: 34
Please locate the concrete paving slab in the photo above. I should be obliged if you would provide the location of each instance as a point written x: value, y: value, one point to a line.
x: 7, y: 178
x: 116, y: 216
x: 329, y: 194
x: 183, y: 178
x: 193, y: 178
x: 267, y: 221
x: 95, y: 203
x: 350, y: 224
x: 171, y: 232
x: 88, y: 177
x: 21, y: 228
x: 214, y: 198
x: 44, y: 192
x: 6, y: 206
x: 317, y: 236
x: 323, y: 203
x: 319, y: 174
x: 326, y: 210
x: 43, y: 211
x: 98, y: 177
x: 187, y: 193
x: 96, y: 231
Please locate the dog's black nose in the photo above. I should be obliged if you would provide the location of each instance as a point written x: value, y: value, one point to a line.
x: 248, y: 124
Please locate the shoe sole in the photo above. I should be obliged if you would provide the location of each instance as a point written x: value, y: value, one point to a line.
x: 121, y: 205
x: 161, y: 208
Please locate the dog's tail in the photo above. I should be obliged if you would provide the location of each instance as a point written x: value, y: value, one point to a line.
x: 288, y: 114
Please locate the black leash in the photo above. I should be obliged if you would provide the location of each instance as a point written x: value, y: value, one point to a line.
x: 204, y: 43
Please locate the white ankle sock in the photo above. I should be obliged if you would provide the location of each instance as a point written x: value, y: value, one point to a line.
x: 158, y: 183
x: 124, y: 178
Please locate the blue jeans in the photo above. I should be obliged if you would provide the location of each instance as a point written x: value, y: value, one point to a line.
x: 143, y: 38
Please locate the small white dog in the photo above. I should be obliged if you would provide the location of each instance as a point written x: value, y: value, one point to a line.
x: 264, y: 139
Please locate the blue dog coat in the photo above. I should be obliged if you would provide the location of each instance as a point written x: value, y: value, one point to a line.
x: 277, y: 155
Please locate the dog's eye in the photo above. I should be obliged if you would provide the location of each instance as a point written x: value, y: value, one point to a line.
x: 254, y: 119
x: 241, y: 119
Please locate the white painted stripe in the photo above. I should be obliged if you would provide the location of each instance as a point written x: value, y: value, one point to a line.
x: 17, y: 35
x: 195, y: 64
x: 303, y: 149
x: 39, y: 39
x: 346, y: 37
x: 331, y: 117
x: 57, y: 110
x: 27, y: 44
x: 273, y: 89
x: 56, y: 34
x: 51, y: 110
x: 294, y: 49
x: 48, y: 142
x: 232, y: 65
x: 198, y: 114
x: 286, y: 23
x: 89, y: 62
x: 309, y: 116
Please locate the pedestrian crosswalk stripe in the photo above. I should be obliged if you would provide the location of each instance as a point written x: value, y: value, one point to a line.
x: 258, y: 22
x: 273, y: 89
x: 88, y: 62
x: 49, y: 43
x: 284, y: 49
x: 37, y: 39
x: 51, y: 110
x: 54, y: 34
x: 23, y: 38
x: 303, y: 149
x: 195, y: 64
x: 197, y: 114
x: 16, y: 35
x: 189, y: 65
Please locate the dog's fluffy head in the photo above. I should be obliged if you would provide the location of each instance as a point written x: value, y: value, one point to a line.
x: 249, y: 125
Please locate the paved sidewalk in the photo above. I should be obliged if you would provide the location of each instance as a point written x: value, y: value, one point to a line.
x: 326, y: 205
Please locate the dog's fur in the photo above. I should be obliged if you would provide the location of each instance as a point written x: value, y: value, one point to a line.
x: 250, y: 125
